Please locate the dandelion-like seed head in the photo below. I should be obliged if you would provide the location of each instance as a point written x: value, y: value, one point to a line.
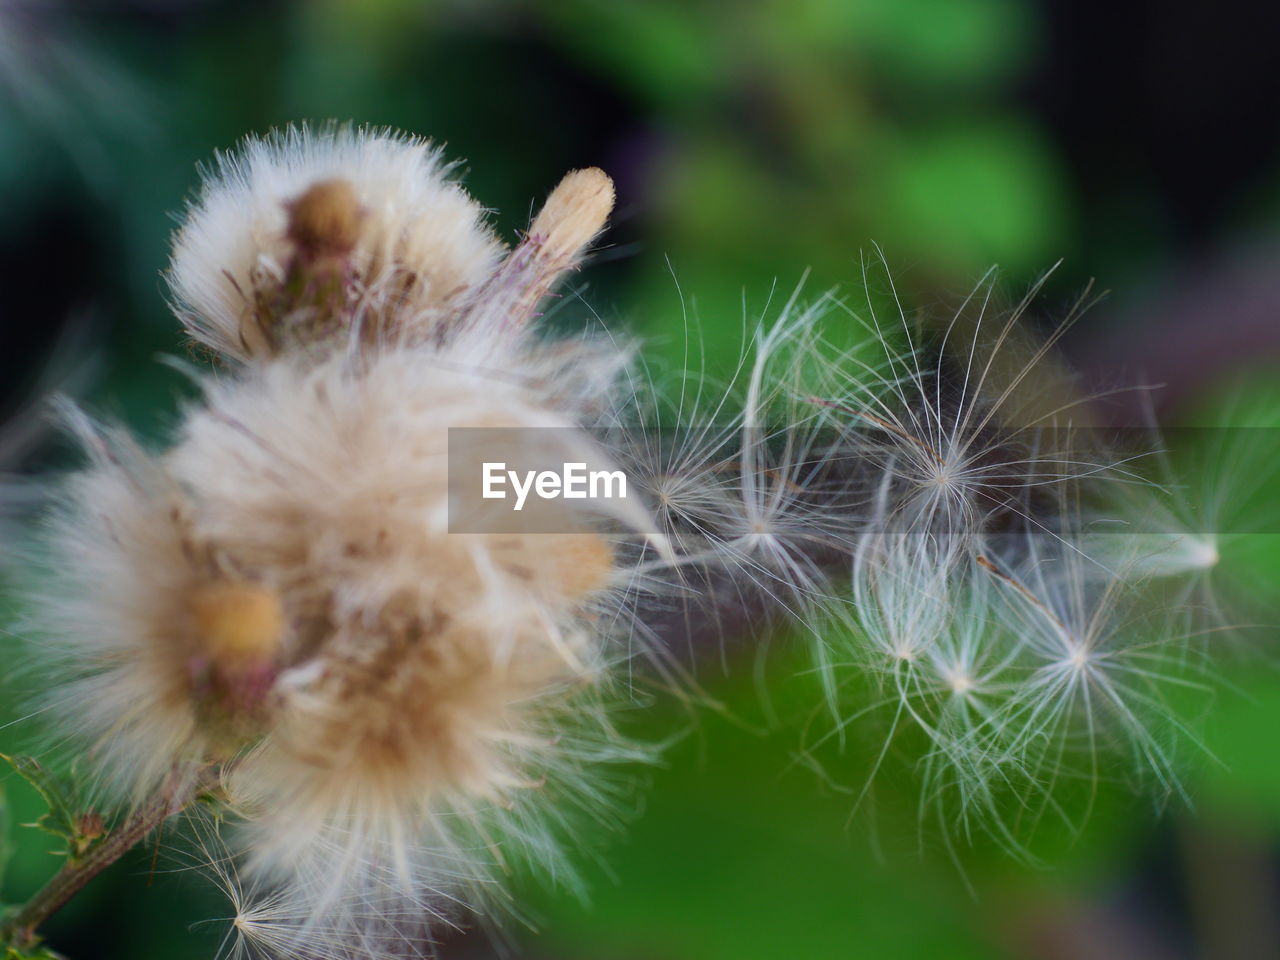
x: 398, y: 709
x: 313, y: 236
x: 960, y: 683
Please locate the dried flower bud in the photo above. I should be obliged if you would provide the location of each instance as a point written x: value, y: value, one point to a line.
x: 237, y: 629
x: 237, y: 624
x: 325, y: 220
x: 90, y: 825
x: 317, y: 304
x: 574, y: 213
x: 320, y: 239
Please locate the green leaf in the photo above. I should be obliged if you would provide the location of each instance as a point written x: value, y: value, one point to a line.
x: 32, y: 953
x: 5, y: 850
x: 66, y: 817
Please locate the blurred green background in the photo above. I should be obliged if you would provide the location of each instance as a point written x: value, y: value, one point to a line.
x: 753, y: 143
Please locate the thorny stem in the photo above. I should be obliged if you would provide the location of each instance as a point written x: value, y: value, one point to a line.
x: 76, y: 873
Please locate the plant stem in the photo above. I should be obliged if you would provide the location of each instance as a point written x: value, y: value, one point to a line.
x: 76, y: 873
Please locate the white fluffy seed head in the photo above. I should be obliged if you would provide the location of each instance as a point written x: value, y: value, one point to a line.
x: 303, y: 225
x: 399, y: 709
x: 994, y: 631
x: 281, y: 592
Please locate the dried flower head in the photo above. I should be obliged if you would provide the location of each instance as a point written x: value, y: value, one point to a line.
x: 308, y: 235
x: 398, y: 709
